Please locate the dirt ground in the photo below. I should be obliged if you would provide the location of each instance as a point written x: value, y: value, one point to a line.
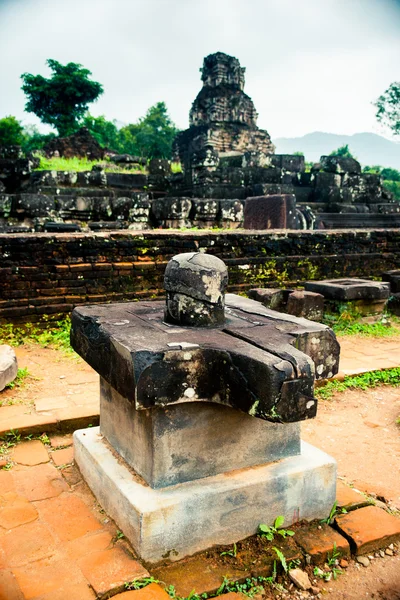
x: 358, y: 428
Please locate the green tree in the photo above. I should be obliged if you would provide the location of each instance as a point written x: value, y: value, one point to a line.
x: 11, y: 132
x: 153, y: 135
x: 343, y: 151
x: 34, y: 140
x: 388, y: 108
x: 61, y: 100
x: 105, y: 132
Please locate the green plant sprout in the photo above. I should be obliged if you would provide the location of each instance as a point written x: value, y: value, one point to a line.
x: 276, y: 529
x: 334, y: 511
x: 232, y: 552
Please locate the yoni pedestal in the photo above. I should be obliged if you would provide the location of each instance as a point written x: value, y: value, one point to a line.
x: 180, y: 462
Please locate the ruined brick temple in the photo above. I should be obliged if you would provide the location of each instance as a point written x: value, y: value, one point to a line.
x: 231, y: 178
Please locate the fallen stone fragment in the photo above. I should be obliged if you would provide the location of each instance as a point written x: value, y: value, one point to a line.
x: 363, y: 560
x: 8, y: 366
x: 300, y: 579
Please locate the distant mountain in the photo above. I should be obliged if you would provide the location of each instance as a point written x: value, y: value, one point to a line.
x: 369, y: 148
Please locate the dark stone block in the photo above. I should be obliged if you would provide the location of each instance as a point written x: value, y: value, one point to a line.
x: 393, y: 278
x: 272, y: 189
x: 393, y: 304
x: 51, y: 227
x: 349, y: 289
x: 270, y: 212
x: 36, y: 205
x: 306, y: 304
x: 273, y: 298
x: 106, y: 225
x: 231, y: 210
x: 288, y: 162
x: 171, y: 209
x: 323, y: 180
x: 340, y: 164
x: 130, y: 181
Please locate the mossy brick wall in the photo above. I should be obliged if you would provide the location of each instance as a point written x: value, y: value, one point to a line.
x: 48, y: 274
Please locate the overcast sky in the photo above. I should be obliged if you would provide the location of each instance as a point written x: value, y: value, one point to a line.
x: 311, y: 65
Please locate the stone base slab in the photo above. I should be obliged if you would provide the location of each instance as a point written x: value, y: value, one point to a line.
x: 183, y: 519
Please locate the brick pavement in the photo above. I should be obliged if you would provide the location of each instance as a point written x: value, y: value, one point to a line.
x: 56, y: 543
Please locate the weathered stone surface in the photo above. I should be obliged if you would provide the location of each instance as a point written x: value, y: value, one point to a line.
x: 306, y: 304
x: 394, y: 304
x: 340, y: 164
x: 276, y: 299
x: 393, y: 277
x: 180, y: 520
x: 215, y: 365
x: 195, y: 283
x: 81, y: 143
x: 270, y: 212
x: 349, y: 289
x: 288, y: 162
x: 8, y: 365
x: 186, y: 442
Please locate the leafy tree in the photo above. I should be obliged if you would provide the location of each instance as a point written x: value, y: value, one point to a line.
x: 11, y: 132
x: 343, y: 151
x: 153, y: 135
x: 105, y: 132
x: 34, y: 140
x: 388, y: 108
x: 61, y: 100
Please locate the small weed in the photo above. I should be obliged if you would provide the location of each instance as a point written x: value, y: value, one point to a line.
x: 119, y: 535
x: 282, y: 558
x: 276, y: 529
x: 19, y: 381
x: 44, y: 438
x: 334, y: 511
x: 232, y: 552
x: 332, y: 570
x: 332, y: 560
x: 138, y: 584
x: 348, y: 322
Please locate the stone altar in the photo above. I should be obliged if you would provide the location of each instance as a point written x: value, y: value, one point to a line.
x: 199, y: 437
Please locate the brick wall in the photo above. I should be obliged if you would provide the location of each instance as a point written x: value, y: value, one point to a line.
x: 48, y: 274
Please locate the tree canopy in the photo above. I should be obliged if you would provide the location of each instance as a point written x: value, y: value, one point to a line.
x: 11, y: 132
x: 343, y: 151
x: 152, y: 135
x: 62, y: 99
x: 388, y: 108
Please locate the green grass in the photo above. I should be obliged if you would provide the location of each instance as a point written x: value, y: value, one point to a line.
x: 349, y: 323
x: 83, y: 164
x: 54, y: 335
x: 19, y: 381
x: 66, y: 164
x: 359, y: 382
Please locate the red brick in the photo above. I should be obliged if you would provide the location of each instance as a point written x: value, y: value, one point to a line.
x: 48, y: 576
x: 30, y: 453
x: 318, y: 543
x: 80, y: 591
x: 27, y: 543
x: 72, y: 475
x: 93, y: 542
x: 15, y: 510
x: 110, y: 570
x: 6, y: 482
x: 62, y: 267
x: 196, y: 573
x: 58, y: 441
x: 39, y: 483
x: 150, y: 592
x: 102, y: 266
x: 369, y: 529
x: 63, y: 457
x: 81, y: 267
x: 9, y: 588
x: 348, y: 498
x: 123, y: 265
x: 68, y: 516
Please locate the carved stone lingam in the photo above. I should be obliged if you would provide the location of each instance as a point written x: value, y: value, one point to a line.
x: 201, y: 399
